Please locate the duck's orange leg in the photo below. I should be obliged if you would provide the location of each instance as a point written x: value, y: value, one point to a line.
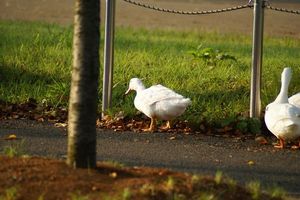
x: 280, y: 145
x: 167, y: 126
x: 152, y: 126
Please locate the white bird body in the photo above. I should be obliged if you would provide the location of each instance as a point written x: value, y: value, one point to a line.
x: 158, y: 102
x: 295, y: 100
x: 283, y: 121
x: 281, y: 117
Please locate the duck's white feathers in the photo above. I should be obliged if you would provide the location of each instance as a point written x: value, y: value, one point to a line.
x: 281, y: 117
x: 295, y: 100
x: 157, y: 93
x: 160, y: 102
x: 283, y: 120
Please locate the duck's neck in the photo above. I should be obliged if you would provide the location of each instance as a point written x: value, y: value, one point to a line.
x: 283, y: 94
x: 282, y: 97
x: 140, y: 87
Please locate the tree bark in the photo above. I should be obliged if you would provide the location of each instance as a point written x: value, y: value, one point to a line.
x: 84, y: 85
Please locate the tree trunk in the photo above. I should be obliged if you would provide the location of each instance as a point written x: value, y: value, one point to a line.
x: 84, y: 85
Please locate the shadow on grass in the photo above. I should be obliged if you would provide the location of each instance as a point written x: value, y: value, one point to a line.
x: 19, y: 84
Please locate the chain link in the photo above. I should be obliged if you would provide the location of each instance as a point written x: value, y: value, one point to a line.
x: 203, y: 12
x: 284, y: 10
x: 188, y: 12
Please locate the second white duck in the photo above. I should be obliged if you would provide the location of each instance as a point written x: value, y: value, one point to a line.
x: 281, y: 117
x: 157, y: 102
x: 295, y: 100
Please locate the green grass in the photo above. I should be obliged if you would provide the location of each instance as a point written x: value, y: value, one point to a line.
x: 9, y: 194
x: 14, y: 148
x: 36, y: 60
x: 255, y: 189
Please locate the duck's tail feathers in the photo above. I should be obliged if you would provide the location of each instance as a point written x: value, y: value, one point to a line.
x: 187, y: 101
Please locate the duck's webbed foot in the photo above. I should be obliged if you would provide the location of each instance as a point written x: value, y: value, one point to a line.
x: 167, y: 126
x: 152, y: 127
x: 280, y: 145
x: 295, y: 147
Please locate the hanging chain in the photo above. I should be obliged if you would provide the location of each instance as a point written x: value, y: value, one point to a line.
x: 284, y: 10
x: 188, y: 12
x: 203, y: 12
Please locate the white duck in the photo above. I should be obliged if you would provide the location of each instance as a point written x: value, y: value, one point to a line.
x: 281, y: 117
x: 157, y: 102
x: 295, y: 100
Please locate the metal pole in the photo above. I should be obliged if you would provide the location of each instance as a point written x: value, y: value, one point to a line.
x: 108, y: 54
x: 257, y: 49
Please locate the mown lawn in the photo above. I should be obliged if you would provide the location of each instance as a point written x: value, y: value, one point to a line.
x: 212, y: 69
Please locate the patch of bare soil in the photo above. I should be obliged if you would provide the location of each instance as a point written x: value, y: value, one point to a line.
x: 34, y: 178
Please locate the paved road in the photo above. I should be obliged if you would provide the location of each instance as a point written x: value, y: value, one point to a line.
x: 192, y: 153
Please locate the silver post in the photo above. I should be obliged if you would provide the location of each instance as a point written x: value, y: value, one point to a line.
x: 108, y: 55
x: 257, y: 49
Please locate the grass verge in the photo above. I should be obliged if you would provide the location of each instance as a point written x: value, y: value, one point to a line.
x: 212, y: 69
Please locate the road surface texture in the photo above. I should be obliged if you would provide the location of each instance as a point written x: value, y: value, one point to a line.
x: 243, y: 160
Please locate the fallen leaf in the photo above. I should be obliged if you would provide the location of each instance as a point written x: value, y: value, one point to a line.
x: 251, y: 162
x: 11, y: 137
x: 106, y: 118
x: 94, y: 188
x: 172, y: 138
x: 163, y: 172
x: 15, y: 116
x: 63, y: 125
x: 119, y: 116
x: 228, y: 128
x: 113, y: 175
x: 261, y: 140
x: 99, y: 123
x: 295, y: 147
x: 129, y: 125
x: 41, y: 119
x: 187, y: 130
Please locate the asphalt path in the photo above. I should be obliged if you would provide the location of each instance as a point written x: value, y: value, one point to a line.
x: 243, y: 160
